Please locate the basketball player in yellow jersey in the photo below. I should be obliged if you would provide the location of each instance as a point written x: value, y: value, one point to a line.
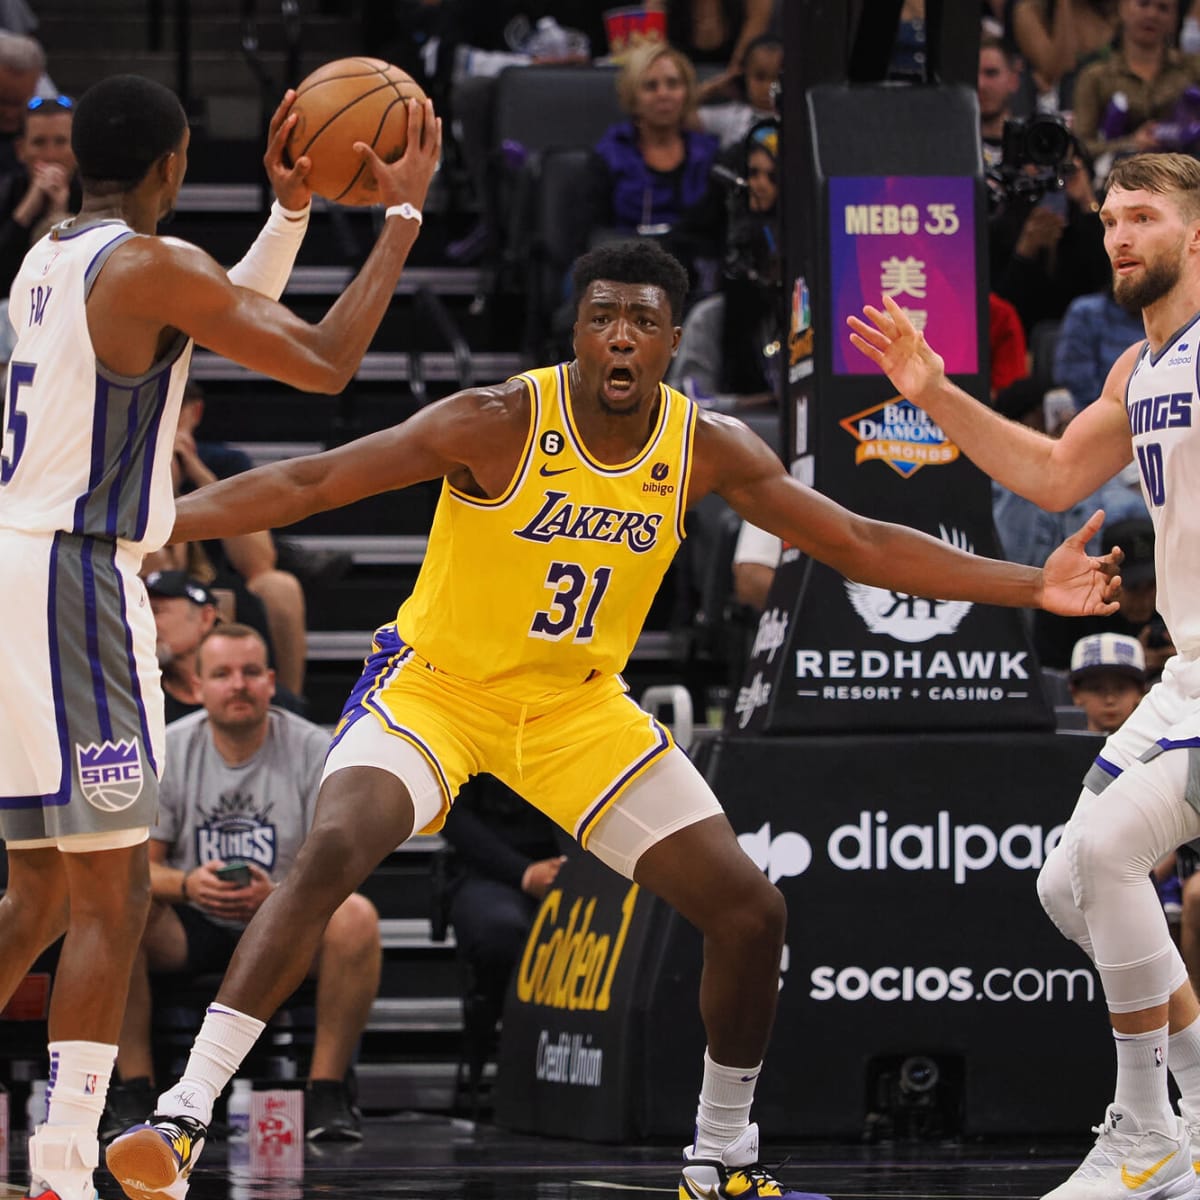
x: 562, y: 504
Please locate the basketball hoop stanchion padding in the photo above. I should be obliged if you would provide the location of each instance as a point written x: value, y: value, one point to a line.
x: 882, y: 193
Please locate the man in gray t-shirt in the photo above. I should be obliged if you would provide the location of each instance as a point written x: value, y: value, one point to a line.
x: 236, y: 801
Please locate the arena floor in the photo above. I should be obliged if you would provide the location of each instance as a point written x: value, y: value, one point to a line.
x: 441, y: 1159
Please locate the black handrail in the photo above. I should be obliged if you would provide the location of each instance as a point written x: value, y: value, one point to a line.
x: 270, y: 89
x: 431, y: 304
x: 183, y: 55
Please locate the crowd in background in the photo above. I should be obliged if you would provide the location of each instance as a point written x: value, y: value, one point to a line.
x: 694, y: 163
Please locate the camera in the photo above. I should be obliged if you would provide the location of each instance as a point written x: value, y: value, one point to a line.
x: 914, y: 1097
x: 1035, y: 153
x: 1043, y: 140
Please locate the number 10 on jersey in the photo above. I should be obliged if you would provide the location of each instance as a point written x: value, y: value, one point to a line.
x: 569, y: 582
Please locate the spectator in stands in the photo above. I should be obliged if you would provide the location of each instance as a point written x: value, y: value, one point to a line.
x: 1056, y: 37
x: 755, y: 560
x: 727, y: 354
x: 716, y: 31
x: 998, y: 82
x: 241, y: 788
x: 1045, y: 253
x: 265, y: 596
x: 1006, y: 336
x: 505, y: 860
x: 185, y: 612
x: 44, y: 187
x: 652, y: 167
x: 22, y: 63
x: 1107, y: 679
x: 749, y: 90
x: 1095, y: 330
x: 1125, y: 98
x: 1138, y: 616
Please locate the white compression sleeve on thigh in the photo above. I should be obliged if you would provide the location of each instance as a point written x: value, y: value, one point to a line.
x: 367, y: 744
x: 268, y: 263
x: 1110, y: 856
x: 671, y: 795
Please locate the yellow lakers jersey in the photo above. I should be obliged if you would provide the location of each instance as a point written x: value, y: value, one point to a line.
x: 549, y: 584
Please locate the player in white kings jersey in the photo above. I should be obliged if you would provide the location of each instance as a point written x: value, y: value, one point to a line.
x: 106, y: 313
x: 1140, y: 798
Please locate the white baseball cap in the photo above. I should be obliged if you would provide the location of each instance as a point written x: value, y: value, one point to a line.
x: 1109, y: 652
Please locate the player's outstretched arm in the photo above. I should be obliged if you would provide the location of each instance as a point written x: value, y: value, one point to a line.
x: 1054, y: 474
x: 465, y: 436
x: 733, y: 461
x: 152, y: 283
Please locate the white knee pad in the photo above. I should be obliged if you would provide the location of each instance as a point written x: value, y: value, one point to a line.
x: 1142, y: 815
x: 1054, y: 891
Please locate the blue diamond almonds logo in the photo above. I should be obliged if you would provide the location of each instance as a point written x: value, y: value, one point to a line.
x: 900, y: 434
x: 110, y: 774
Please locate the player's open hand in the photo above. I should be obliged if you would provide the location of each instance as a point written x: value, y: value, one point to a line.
x: 288, y: 179
x: 898, y: 348
x: 1076, y: 584
x: 407, y: 179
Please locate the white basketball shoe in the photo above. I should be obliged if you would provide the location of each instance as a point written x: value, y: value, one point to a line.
x: 1132, y: 1163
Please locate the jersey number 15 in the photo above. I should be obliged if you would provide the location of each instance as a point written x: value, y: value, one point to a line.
x: 19, y: 375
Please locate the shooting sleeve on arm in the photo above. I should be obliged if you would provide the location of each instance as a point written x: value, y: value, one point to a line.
x: 268, y: 263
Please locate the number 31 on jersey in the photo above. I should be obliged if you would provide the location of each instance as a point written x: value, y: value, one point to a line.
x: 569, y: 582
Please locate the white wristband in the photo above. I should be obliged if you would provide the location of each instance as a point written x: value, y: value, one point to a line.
x: 404, y: 210
x: 290, y: 214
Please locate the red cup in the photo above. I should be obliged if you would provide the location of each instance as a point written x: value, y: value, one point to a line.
x: 632, y: 26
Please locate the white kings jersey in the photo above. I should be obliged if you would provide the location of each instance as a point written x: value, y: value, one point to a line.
x: 1163, y: 403
x: 85, y: 450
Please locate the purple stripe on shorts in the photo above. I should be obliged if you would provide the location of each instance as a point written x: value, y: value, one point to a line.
x: 60, y: 712
x: 135, y: 682
x: 592, y: 813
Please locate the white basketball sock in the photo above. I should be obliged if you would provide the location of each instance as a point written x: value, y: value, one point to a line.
x: 79, y: 1075
x: 1142, y: 1079
x: 1183, y: 1061
x: 224, y: 1040
x: 725, y: 1098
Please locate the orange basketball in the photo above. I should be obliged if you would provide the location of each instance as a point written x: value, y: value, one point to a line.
x: 347, y: 101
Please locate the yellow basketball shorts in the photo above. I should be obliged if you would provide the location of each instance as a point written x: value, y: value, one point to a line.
x: 570, y: 756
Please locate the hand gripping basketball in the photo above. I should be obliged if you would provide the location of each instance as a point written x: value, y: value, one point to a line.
x: 407, y: 179
x: 341, y: 104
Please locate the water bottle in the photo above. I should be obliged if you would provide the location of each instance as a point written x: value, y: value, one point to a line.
x: 36, y: 1105
x: 549, y: 40
x: 237, y: 1114
x: 1189, y: 36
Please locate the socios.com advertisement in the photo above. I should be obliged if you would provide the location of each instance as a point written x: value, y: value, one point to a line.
x: 911, y: 238
x: 910, y: 868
